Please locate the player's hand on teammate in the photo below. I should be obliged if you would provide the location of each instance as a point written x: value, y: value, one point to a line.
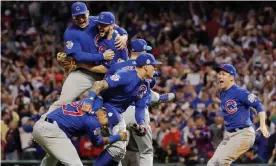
x: 264, y: 131
x: 123, y: 135
x: 120, y: 41
x: 108, y: 55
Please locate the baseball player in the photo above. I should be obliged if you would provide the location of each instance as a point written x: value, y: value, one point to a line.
x: 53, y: 132
x: 108, y: 34
x: 81, y: 44
x: 144, y: 144
x: 235, y: 104
x: 120, y: 91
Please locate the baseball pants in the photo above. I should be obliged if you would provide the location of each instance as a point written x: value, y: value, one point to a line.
x: 75, y: 84
x: 56, y: 144
x: 232, y: 146
x: 144, y: 143
x: 118, y: 149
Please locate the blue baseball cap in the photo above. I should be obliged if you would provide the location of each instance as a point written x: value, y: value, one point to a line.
x: 106, y: 18
x: 146, y: 59
x: 139, y: 45
x: 228, y: 68
x: 78, y: 8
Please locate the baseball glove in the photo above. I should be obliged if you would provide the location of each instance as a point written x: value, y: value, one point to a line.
x: 139, y: 130
x: 67, y: 62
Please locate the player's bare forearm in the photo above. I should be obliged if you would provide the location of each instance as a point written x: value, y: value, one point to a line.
x: 262, y: 118
x: 99, y: 69
x: 99, y: 86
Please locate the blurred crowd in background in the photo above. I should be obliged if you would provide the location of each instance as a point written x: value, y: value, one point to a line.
x: 188, y: 37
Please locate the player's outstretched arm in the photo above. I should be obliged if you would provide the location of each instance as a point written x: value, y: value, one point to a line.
x: 262, y: 127
x: 97, y: 88
x: 97, y: 140
x: 251, y: 100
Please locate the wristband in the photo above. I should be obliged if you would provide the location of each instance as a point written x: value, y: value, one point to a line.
x: 92, y: 95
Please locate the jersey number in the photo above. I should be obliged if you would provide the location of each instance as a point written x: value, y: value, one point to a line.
x: 75, y: 111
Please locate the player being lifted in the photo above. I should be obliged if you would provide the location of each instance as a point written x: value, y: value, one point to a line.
x: 53, y: 132
x: 235, y: 105
x: 80, y: 38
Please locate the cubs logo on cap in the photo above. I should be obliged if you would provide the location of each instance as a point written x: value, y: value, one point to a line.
x: 106, y: 18
x: 78, y: 8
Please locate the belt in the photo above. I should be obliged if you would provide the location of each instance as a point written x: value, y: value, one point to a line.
x: 237, y: 129
x: 49, y: 120
x: 96, y: 76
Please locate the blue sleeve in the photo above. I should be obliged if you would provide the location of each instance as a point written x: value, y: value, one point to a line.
x: 72, y: 44
x: 117, y: 79
x: 73, y: 48
x: 251, y: 100
x: 123, y: 54
x: 140, y: 107
x: 87, y: 57
x: 111, y: 70
x: 94, y: 136
x: 121, y: 31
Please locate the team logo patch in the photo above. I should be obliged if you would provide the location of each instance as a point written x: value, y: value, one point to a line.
x: 110, y: 114
x: 102, y: 16
x: 115, y: 77
x: 148, y: 61
x: 97, y: 131
x: 101, y: 49
x: 78, y: 8
x: 231, y: 106
x: 142, y: 90
x: 69, y: 44
x: 251, y: 97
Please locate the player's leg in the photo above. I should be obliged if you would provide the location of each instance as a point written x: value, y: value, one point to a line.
x: 118, y: 149
x: 221, y: 147
x: 48, y: 160
x: 145, y: 144
x: 238, y: 144
x: 105, y: 159
x: 131, y: 158
x: 75, y: 84
x: 157, y: 98
x: 52, y: 138
x: 132, y: 154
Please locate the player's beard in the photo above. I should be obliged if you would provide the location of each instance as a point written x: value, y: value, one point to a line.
x: 106, y: 33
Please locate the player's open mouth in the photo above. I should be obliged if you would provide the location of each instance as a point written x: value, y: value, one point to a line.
x: 221, y: 81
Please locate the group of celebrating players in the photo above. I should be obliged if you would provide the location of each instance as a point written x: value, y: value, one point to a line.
x: 120, y: 79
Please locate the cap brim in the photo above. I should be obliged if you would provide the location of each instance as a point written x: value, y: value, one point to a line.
x: 97, y: 21
x: 76, y: 14
x: 217, y: 69
x: 157, y: 63
x: 149, y: 48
